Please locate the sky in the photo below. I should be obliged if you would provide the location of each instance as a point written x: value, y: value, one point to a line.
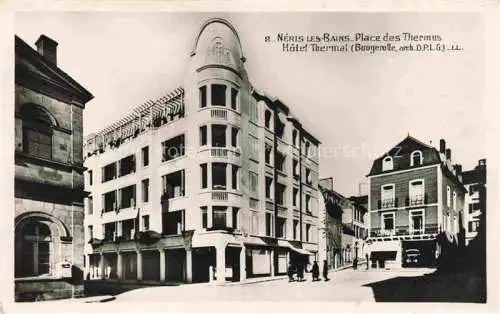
x: 357, y: 105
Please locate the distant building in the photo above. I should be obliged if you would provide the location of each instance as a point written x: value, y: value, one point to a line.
x: 475, y: 201
x: 49, y: 170
x: 344, y: 229
x: 214, y: 181
x: 415, y: 194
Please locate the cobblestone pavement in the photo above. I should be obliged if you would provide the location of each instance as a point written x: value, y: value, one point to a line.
x: 343, y: 286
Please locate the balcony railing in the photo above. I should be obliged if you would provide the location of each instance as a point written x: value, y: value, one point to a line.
x: 218, y: 114
x: 417, y: 200
x: 220, y: 196
x: 219, y: 152
x: 404, y: 231
x: 388, y: 203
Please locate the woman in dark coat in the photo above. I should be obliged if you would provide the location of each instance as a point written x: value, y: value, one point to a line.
x: 325, y: 270
x: 291, y: 271
x: 315, y: 271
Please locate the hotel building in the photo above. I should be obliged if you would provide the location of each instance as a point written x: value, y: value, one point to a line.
x: 415, y: 194
x: 215, y: 181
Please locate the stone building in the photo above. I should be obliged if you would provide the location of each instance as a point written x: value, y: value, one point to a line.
x: 416, y: 193
x: 49, y: 170
x: 214, y: 181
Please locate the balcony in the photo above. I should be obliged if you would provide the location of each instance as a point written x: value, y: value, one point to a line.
x: 404, y: 231
x: 378, y: 232
x: 219, y: 152
x: 220, y: 196
x: 388, y: 203
x: 416, y: 200
x: 218, y: 114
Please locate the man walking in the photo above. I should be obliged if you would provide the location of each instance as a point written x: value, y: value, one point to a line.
x: 367, y: 261
x: 315, y: 271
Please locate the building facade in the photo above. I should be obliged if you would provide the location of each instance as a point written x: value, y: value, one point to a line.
x: 355, y: 230
x: 475, y: 201
x: 415, y: 194
x: 49, y: 170
x: 213, y: 182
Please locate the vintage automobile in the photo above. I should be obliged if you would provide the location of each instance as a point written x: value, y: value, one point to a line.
x: 412, y: 257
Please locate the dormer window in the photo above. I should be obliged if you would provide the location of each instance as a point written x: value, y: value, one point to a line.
x: 416, y: 158
x: 387, y: 163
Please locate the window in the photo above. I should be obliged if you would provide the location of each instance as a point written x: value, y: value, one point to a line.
x: 269, y: 224
x: 234, y: 137
x: 218, y: 135
x: 203, y: 135
x: 281, y: 227
x: 416, y: 158
x: 269, y: 183
x: 109, y: 201
x: 308, y: 203
x: 294, y: 137
x: 267, y: 119
x: 254, y: 181
x: 387, y: 196
x: 219, y: 217
x: 388, y: 223
x: 91, y: 205
x: 308, y: 232
x: 204, y: 216
x: 253, y: 144
x: 34, y: 247
x: 308, y: 176
x: 218, y: 95
x: 90, y: 177
x: 145, y: 190
x: 109, y: 172
x: 127, y: 165
x: 280, y: 162
x: 295, y: 229
x: 173, y: 222
x: 145, y: 156
x: 145, y: 222
x: 173, y: 184
x: 204, y: 176
x: 295, y: 196
x: 448, y: 196
x: 203, y: 96
x: 234, y: 98
x: 387, y: 164
x: 268, y: 153
x: 90, y: 230
x: 219, y: 176
x: 417, y: 192
x: 37, y: 131
x: 473, y: 207
x: 255, y: 224
x: 295, y: 168
x: 173, y: 148
x: 417, y: 221
x: 308, y: 149
x: 235, y: 217
x: 454, y: 200
x: 126, y: 197
x: 473, y: 226
x: 235, y: 172
x: 280, y: 194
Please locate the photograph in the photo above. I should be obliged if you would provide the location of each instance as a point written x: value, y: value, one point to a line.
x: 191, y: 156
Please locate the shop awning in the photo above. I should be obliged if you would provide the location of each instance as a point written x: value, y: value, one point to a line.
x: 286, y: 244
x: 254, y: 241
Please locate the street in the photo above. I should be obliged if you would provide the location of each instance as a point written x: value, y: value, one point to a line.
x: 343, y: 286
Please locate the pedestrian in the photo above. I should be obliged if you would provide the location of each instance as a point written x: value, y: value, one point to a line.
x: 300, y: 272
x: 367, y: 261
x: 325, y: 270
x: 290, y: 272
x: 355, y: 263
x: 315, y: 271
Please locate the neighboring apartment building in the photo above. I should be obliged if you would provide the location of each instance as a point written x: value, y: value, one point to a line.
x: 415, y: 193
x: 344, y: 228
x: 49, y: 170
x: 215, y: 181
x: 475, y: 201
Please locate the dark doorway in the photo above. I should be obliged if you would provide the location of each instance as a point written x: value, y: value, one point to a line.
x: 203, y: 258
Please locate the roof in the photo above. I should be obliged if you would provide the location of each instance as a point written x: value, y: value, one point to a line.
x: 401, y: 155
x: 477, y: 175
x: 32, y: 66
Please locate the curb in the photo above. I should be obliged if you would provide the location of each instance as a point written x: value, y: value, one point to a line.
x: 99, y: 299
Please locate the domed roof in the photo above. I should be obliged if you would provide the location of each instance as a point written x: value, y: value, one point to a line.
x: 218, y: 43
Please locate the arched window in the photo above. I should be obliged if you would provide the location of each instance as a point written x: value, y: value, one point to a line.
x: 416, y: 158
x: 387, y: 163
x: 37, y: 131
x: 267, y: 119
x: 33, y: 248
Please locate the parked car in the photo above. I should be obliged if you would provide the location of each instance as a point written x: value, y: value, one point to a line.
x: 412, y: 257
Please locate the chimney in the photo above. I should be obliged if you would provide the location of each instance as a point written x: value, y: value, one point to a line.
x: 448, y: 154
x: 442, y: 146
x: 47, y: 47
x: 459, y: 169
x: 481, y: 162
